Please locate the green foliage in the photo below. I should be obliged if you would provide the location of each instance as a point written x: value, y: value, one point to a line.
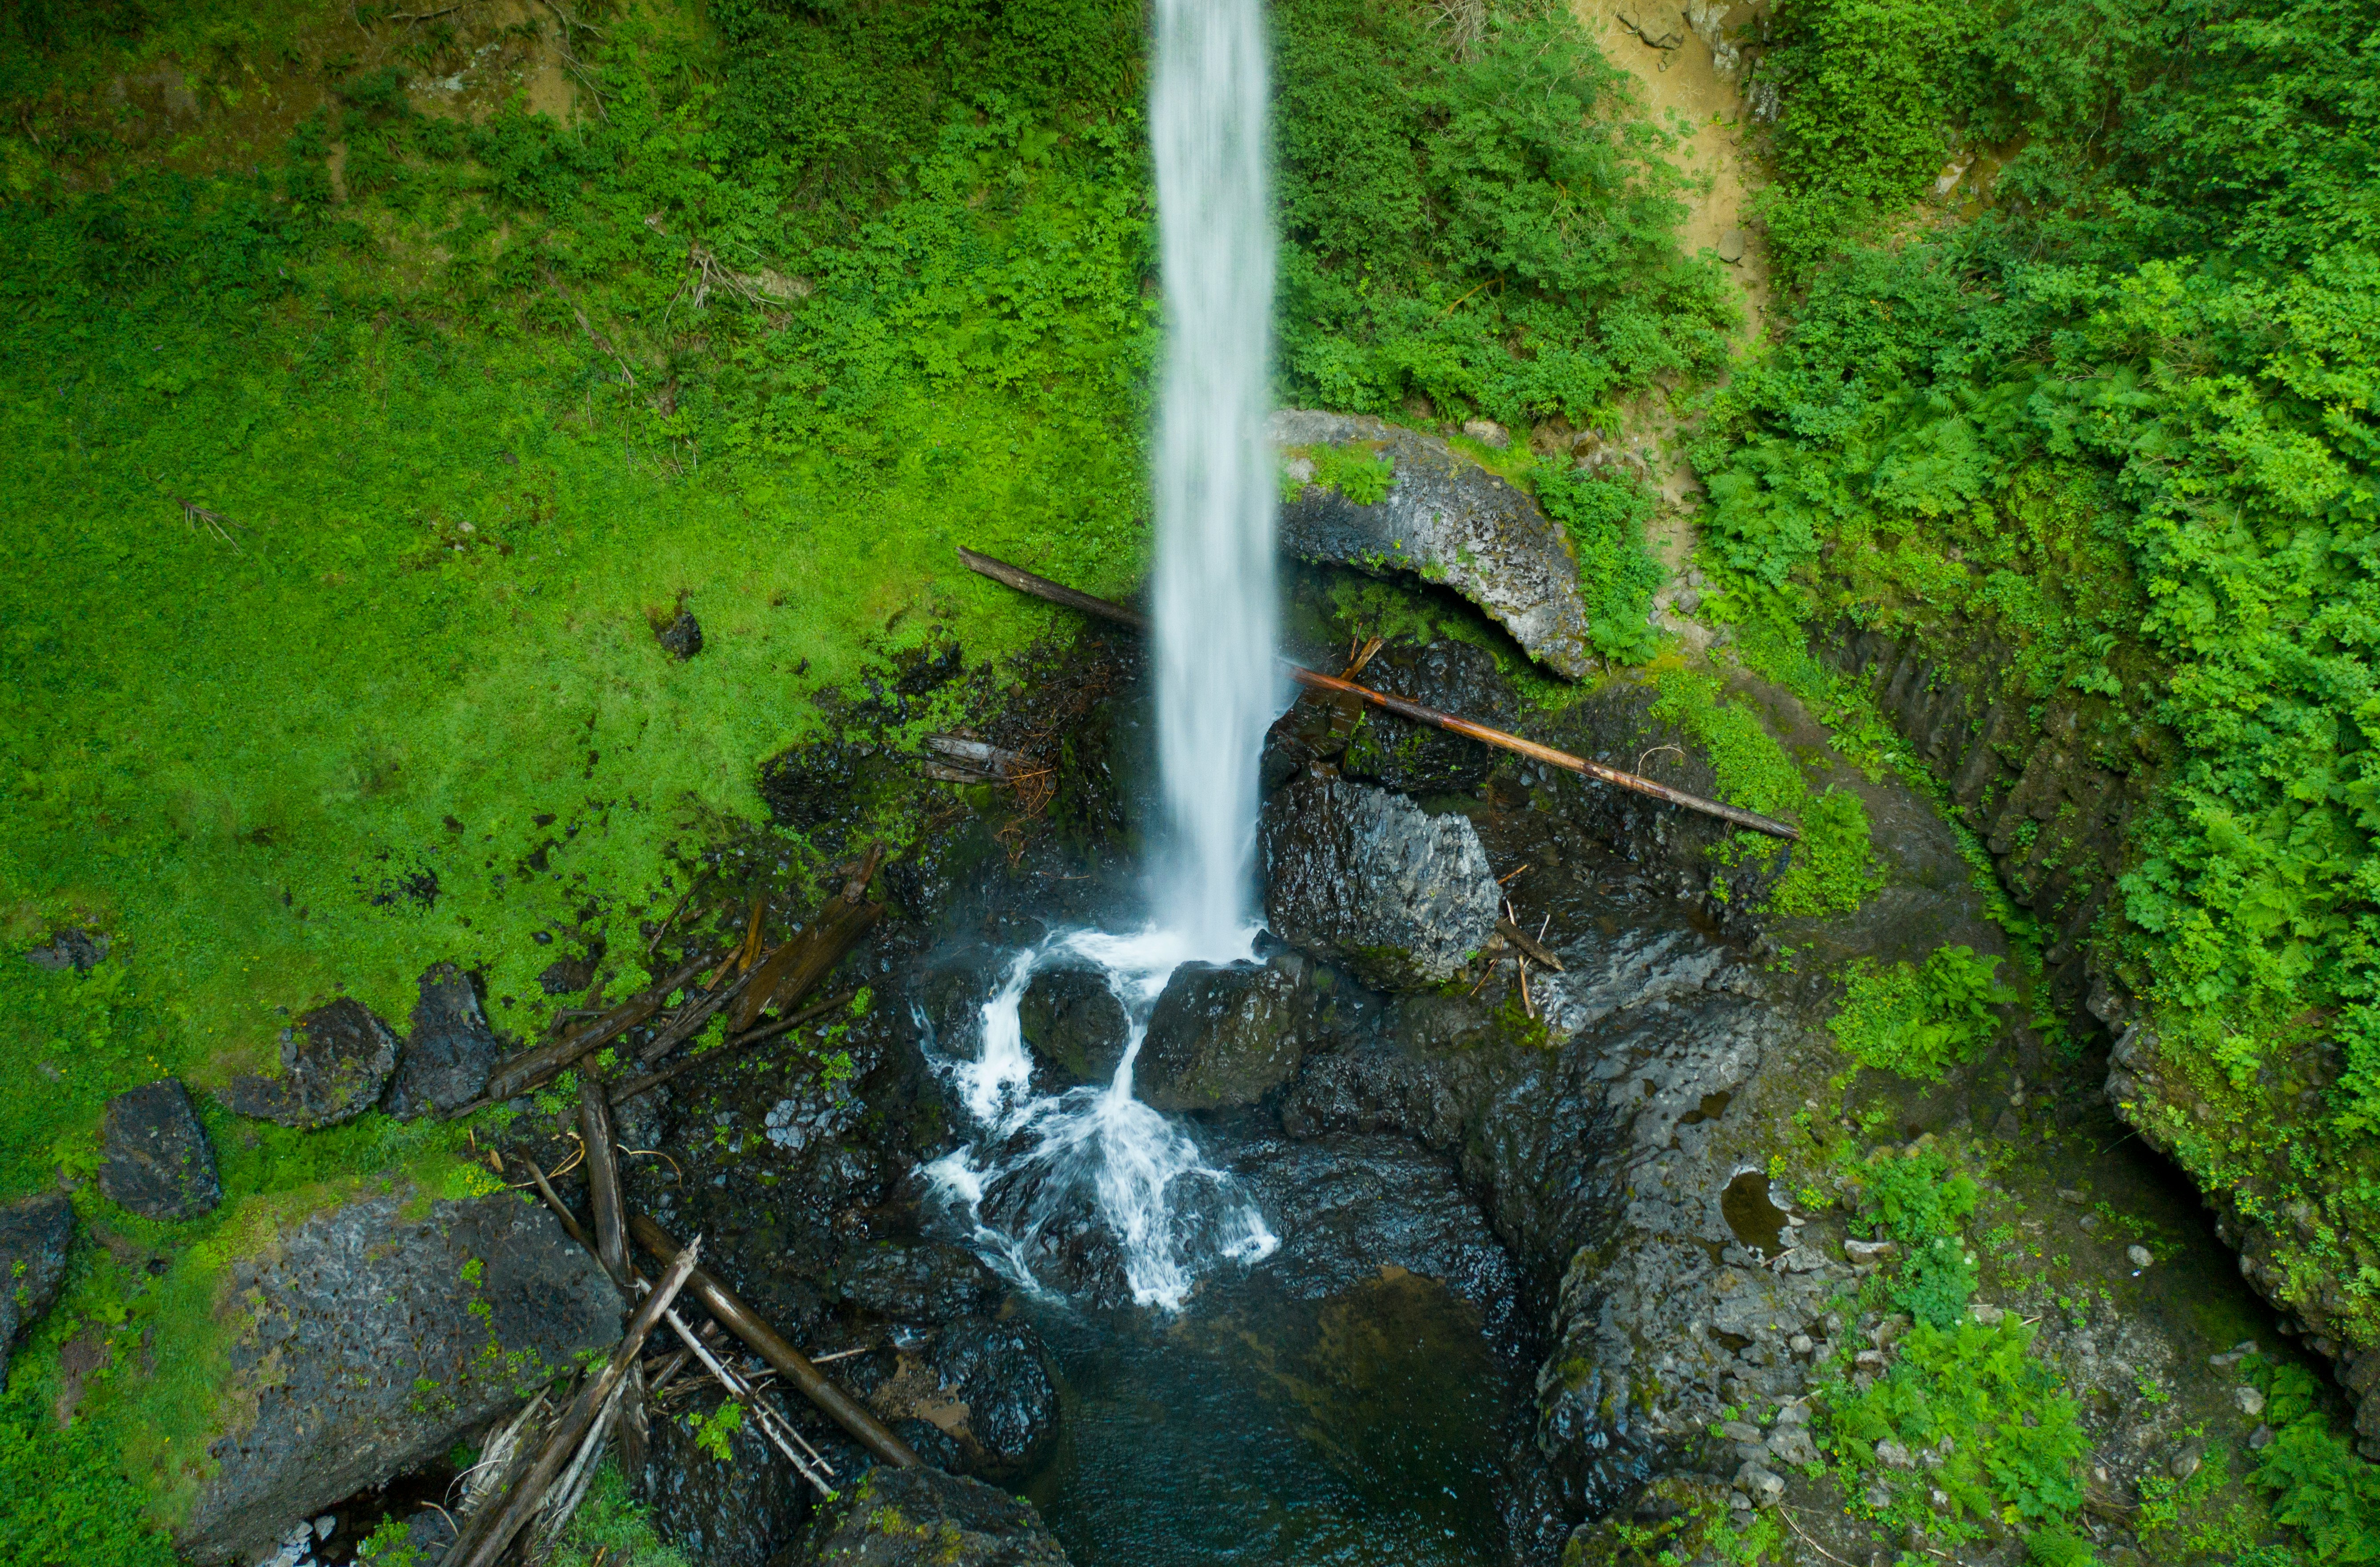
x: 1918, y: 1019
x: 390, y: 1545
x: 1832, y: 868
x: 714, y: 1432
x: 2058, y: 1546
x: 2322, y: 1487
x: 1361, y: 474
x: 61, y: 1491
x: 612, y: 1525
x: 1916, y: 1198
x: 1480, y: 223
x: 1604, y: 517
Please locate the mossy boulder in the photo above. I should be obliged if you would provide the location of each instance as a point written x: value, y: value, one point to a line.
x: 333, y: 1064
x: 35, y: 1235
x: 925, y: 1518
x: 1221, y: 1034
x: 1074, y: 1024
x: 1452, y: 676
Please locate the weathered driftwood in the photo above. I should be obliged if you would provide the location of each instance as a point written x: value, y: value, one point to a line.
x: 603, y: 1195
x: 1529, y: 944
x: 783, y: 1357
x: 690, y: 1019
x: 488, y: 1535
x: 1057, y: 593
x: 628, y: 1089
x: 956, y: 759
x: 785, y: 975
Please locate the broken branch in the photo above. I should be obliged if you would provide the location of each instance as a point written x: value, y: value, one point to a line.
x: 1042, y: 588
x: 629, y: 1089
x: 1529, y: 944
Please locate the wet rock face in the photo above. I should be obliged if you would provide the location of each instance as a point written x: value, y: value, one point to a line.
x: 1074, y: 1024
x: 156, y: 1158
x: 448, y: 1057
x: 334, y: 1066
x: 920, y: 1281
x: 1220, y: 1035
x: 999, y: 1372
x: 738, y: 1514
x: 1415, y: 758
x: 1450, y: 521
x: 1367, y: 879
x: 925, y: 1518
x: 348, y: 1316
x: 35, y: 1235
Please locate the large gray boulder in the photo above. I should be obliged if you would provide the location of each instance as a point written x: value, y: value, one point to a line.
x: 448, y: 1057
x: 154, y: 1156
x: 1447, y: 519
x: 925, y: 1518
x: 1368, y: 878
x: 333, y: 1064
x: 1221, y: 1034
x: 35, y: 1235
x: 369, y: 1338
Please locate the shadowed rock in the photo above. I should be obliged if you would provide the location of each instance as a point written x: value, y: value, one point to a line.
x: 157, y: 1160
x: 998, y: 1373
x: 1450, y: 677
x: 446, y: 1060
x: 334, y: 1066
x: 369, y: 1338
x: 1220, y: 1035
x: 1368, y: 878
x: 917, y: 1517
x: 35, y: 1235
x: 1074, y: 1024
x: 740, y: 1512
x: 1447, y: 520
x: 920, y: 1281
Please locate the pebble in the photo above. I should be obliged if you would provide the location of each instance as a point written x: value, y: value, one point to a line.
x: 1739, y: 1431
x: 2068, y: 1195
x: 1800, y: 1344
x: 2260, y: 1439
x: 1870, y: 1251
x: 2185, y: 1463
x: 2138, y: 1256
x: 1989, y: 1316
x: 1731, y: 245
x: 1762, y: 1486
x: 1488, y: 432
x: 2088, y: 1222
x: 2252, y: 1402
x: 1792, y: 1444
x: 1894, y: 1455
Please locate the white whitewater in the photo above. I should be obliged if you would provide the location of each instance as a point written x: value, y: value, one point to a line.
x: 1218, y: 689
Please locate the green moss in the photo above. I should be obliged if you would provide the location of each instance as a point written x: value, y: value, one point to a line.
x: 1918, y: 1019
x: 1360, y: 473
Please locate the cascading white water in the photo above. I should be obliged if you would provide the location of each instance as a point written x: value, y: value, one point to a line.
x: 1216, y: 691
x: 1216, y: 614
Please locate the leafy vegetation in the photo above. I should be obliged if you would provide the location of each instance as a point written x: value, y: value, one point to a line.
x: 2319, y: 1484
x: 1917, y: 1019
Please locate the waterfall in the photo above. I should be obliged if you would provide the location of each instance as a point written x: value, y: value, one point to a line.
x: 1036, y: 1159
x: 1216, y: 614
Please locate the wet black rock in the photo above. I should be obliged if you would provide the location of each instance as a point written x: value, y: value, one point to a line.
x: 1220, y: 1035
x: 1368, y: 878
x: 448, y: 1057
x: 35, y: 1235
x: 1453, y: 677
x: 917, y: 1517
x: 371, y: 1338
x: 1449, y: 520
x: 1074, y: 1024
x: 999, y: 1371
x: 742, y: 1513
x: 333, y: 1064
x: 69, y: 948
x: 924, y: 1282
x: 682, y: 637
x: 156, y: 1158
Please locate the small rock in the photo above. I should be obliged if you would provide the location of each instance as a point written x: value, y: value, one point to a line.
x: 156, y: 1158
x: 327, y: 1525
x: 1368, y: 877
x: 2068, y: 1195
x: 1989, y: 1316
x: 2138, y: 1256
x: 1731, y: 247
x: 1220, y: 1035
x: 2088, y: 1222
x: 1802, y: 1344
x: 1487, y: 432
x: 1892, y: 1454
x: 1794, y: 1444
x: 2185, y: 1463
x: 1687, y: 601
x: 682, y: 637
x: 918, y: 1281
x: 2260, y: 1439
x: 446, y: 1058
x: 35, y: 1235
x: 2250, y: 1400
x: 998, y: 1373
x: 333, y: 1064
x: 1761, y: 1485
x: 1858, y: 1251
x: 911, y: 1517
x: 69, y: 948
x: 1879, y: 1496
x: 1794, y: 1413
x: 1739, y: 1431
x: 1869, y: 1360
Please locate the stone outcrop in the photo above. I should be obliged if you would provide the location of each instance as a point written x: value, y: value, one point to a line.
x: 1362, y: 877
x: 447, y: 1056
x: 369, y: 1338
x: 334, y: 1063
x: 1445, y: 520
x: 35, y: 1235
x: 155, y: 1157
x: 1221, y: 1034
x: 925, y: 1518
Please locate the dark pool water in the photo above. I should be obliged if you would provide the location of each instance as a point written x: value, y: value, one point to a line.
x: 1364, y: 1427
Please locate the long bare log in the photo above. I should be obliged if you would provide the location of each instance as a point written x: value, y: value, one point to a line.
x: 603, y: 1177
x: 1057, y: 593
x: 483, y: 1544
x: 628, y: 1089
x: 787, y: 973
x: 783, y: 1357
x: 689, y: 1021
x: 532, y: 1068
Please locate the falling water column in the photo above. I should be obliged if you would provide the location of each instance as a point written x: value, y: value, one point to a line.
x: 1216, y: 613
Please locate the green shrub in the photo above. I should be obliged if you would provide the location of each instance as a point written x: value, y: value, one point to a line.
x: 1919, y: 1019
x: 1604, y: 517
x: 2321, y: 1486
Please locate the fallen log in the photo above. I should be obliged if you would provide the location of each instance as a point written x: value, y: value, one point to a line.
x: 787, y: 973
x: 603, y: 1195
x: 483, y: 1542
x: 783, y: 1357
x: 629, y: 1088
x: 1057, y: 593
x: 533, y: 1068
x: 689, y: 1021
